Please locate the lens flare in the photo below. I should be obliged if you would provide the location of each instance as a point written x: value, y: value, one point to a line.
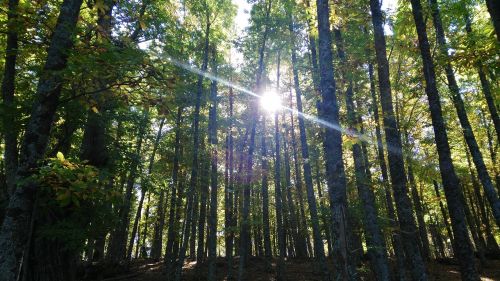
x: 270, y: 101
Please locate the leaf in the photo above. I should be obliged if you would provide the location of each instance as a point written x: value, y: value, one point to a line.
x: 142, y: 24
x: 60, y: 156
x: 94, y: 109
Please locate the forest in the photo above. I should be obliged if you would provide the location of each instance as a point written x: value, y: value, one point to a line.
x: 249, y: 140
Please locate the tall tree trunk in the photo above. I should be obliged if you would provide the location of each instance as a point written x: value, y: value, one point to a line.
x: 485, y: 84
x: 230, y: 192
x: 468, y: 133
x: 299, y: 241
x: 462, y: 246
x: 15, y: 229
x: 172, y: 231
x: 245, y: 232
x: 491, y: 242
x: 395, y: 150
x: 118, y: 241
x: 332, y: 143
x: 196, y: 144
x: 212, y: 219
x: 395, y: 234
x: 280, y: 233
x: 443, y: 213
x: 374, y: 238
x: 265, y: 194
x: 144, y: 254
x: 144, y: 188
x: 302, y: 221
x: 8, y: 91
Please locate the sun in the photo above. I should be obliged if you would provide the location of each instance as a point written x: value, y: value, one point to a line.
x: 270, y: 101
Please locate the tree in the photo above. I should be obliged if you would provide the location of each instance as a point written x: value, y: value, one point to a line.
x: 462, y: 245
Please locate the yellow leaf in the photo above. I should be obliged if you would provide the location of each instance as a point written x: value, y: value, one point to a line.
x: 60, y: 156
x: 94, y: 109
x: 142, y: 24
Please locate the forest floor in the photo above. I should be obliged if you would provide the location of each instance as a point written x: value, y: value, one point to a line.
x: 296, y: 270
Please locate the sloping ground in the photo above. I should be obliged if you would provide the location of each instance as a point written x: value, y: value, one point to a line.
x: 296, y: 270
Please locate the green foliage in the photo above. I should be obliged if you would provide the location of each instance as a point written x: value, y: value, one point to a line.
x: 73, y: 199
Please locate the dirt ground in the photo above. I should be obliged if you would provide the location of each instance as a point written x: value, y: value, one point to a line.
x: 296, y: 269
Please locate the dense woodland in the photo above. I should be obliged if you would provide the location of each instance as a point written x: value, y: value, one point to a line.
x: 358, y: 141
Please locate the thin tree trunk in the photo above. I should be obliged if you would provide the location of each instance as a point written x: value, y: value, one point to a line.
x: 443, y: 212
x: 230, y: 191
x: 265, y: 194
x: 196, y: 144
x: 118, y: 245
x: 395, y: 150
x: 299, y: 241
x: 302, y: 221
x: 175, y: 200
x: 374, y: 238
x: 204, y: 182
x: 212, y: 219
x: 245, y: 232
x: 144, y: 188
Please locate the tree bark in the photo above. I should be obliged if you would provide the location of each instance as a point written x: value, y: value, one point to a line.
x: 477, y: 156
x: 196, y: 144
x: 463, y: 248
x: 212, y: 219
x: 144, y: 188
x: 245, y: 248
x: 332, y: 144
x: 395, y: 150
x: 494, y: 10
x: 8, y: 90
x: 374, y: 238
x: 118, y: 241
x: 395, y: 234
x: 16, y: 225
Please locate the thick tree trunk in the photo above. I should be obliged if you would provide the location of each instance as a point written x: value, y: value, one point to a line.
x: 8, y: 91
x: 332, y: 144
x: 494, y: 10
x: 468, y: 133
x: 395, y: 234
x: 462, y: 246
x: 16, y: 225
x: 395, y: 151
